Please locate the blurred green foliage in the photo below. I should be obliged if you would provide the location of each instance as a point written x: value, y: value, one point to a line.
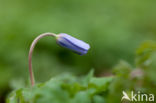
x: 114, y: 29
x: 64, y: 89
x: 138, y: 77
x: 89, y: 89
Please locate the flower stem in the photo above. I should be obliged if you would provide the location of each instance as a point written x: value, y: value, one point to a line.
x: 32, y: 79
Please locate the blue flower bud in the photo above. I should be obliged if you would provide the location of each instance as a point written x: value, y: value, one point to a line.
x: 69, y: 42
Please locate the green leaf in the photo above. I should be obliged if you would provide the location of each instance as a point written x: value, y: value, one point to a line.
x: 144, y: 53
x: 64, y: 89
x: 100, y: 84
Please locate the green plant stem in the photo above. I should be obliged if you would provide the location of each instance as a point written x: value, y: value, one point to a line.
x: 32, y: 79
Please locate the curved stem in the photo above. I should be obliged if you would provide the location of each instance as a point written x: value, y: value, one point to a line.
x: 32, y: 79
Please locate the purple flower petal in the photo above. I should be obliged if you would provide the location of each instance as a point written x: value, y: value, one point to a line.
x: 72, y: 43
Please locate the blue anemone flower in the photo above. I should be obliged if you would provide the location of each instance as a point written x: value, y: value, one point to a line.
x: 69, y: 42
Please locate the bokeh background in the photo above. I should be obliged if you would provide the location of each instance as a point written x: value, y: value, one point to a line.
x: 113, y: 28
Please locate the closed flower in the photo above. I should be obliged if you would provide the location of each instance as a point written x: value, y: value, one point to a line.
x: 69, y: 42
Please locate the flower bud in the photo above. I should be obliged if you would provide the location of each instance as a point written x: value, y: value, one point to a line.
x: 71, y: 43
